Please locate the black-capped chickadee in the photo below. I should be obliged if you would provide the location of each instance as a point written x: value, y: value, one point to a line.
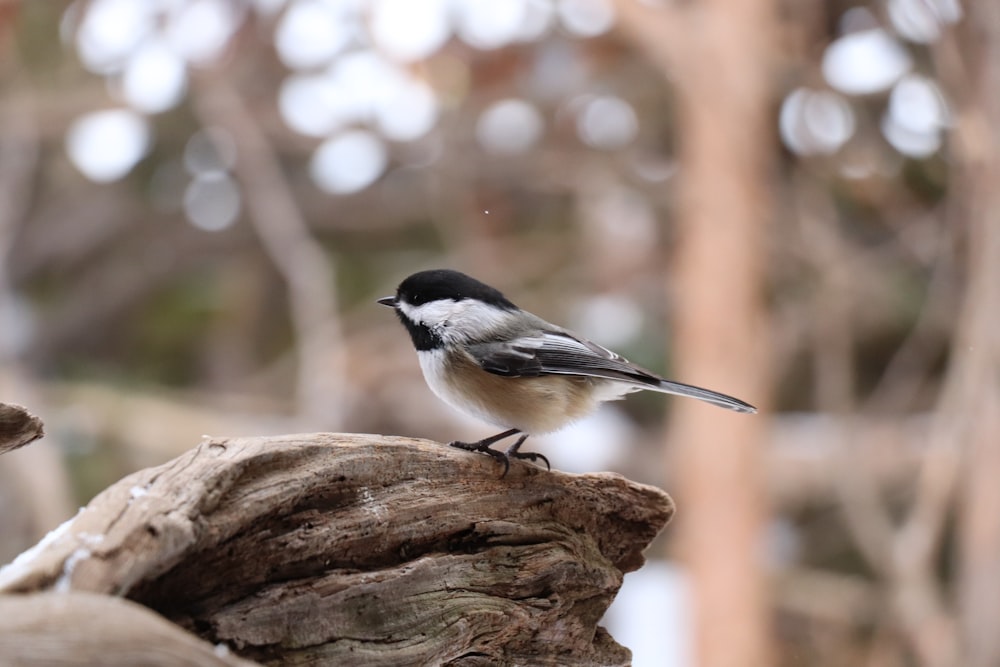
x: 486, y: 357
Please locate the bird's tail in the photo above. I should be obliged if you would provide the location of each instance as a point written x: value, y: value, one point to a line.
x: 707, y: 395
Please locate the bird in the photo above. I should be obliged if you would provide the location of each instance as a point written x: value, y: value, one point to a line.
x: 486, y: 357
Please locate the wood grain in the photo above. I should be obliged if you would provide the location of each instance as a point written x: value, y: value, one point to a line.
x: 363, y: 550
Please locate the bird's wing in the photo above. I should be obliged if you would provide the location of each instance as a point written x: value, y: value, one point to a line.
x: 556, y: 353
x: 559, y: 353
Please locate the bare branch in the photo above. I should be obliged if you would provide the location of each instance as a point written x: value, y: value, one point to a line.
x: 972, y: 393
x: 903, y: 561
x: 285, y: 237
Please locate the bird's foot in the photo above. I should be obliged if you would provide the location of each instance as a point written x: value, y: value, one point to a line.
x: 512, y: 451
x: 485, y: 449
x: 533, y: 457
x: 503, y: 457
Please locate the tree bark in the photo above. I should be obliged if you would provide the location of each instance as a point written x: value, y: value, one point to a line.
x: 362, y: 550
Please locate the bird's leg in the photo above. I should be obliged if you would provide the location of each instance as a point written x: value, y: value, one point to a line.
x: 484, y: 447
x: 530, y: 456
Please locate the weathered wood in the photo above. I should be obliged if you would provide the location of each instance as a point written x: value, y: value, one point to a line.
x: 361, y: 550
x: 54, y: 629
x: 18, y: 427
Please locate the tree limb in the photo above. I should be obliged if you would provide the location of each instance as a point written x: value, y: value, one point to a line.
x: 285, y: 237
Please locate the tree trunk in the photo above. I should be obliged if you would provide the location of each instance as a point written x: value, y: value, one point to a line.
x: 718, y: 53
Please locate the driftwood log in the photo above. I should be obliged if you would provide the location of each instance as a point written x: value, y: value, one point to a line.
x: 361, y: 550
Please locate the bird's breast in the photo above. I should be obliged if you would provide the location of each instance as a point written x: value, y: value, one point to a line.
x: 530, y: 404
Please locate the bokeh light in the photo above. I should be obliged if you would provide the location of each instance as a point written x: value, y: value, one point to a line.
x: 606, y: 122
x: 410, y: 29
x: 110, y: 31
x: 309, y: 104
x: 210, y: 151
x: 865, y: 62
x: 154, y: 79
x: 917, y: 104
x: 586, y: 18
x: 916, y: 115
x: 359, y: 87
x: 922, y: 20
x: 815, y: 121
x: 509, y: 126
x: 348, y: 162
x: 349, y: 61
x: 489, y: 25
x: 406, y: 111
x: 311, y: 33
x: 105, y: 145
x: 906, y: 141
x: 212, y: 201
x: 199, y: 30
x: 539, y: 16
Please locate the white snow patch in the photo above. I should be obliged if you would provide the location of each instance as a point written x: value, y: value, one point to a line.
x: 91, y: 539
x: 64, y: 582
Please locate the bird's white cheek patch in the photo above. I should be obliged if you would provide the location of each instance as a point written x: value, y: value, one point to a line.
x: 430, y: 314
x: 457, y: 321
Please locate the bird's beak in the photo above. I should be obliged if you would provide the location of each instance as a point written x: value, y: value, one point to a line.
x: 388, y: 301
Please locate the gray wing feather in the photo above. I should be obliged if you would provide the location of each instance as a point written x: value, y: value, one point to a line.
x: 555, y: 353
x: 560, y: 353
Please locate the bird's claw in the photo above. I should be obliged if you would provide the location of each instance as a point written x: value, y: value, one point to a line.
x: 485, y: 449
x: 531, y: 456
x: 504, y: 457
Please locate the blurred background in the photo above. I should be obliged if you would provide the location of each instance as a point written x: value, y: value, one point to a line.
x: 794, y: 203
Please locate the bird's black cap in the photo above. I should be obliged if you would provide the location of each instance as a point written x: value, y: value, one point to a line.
x: 436, y: 284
